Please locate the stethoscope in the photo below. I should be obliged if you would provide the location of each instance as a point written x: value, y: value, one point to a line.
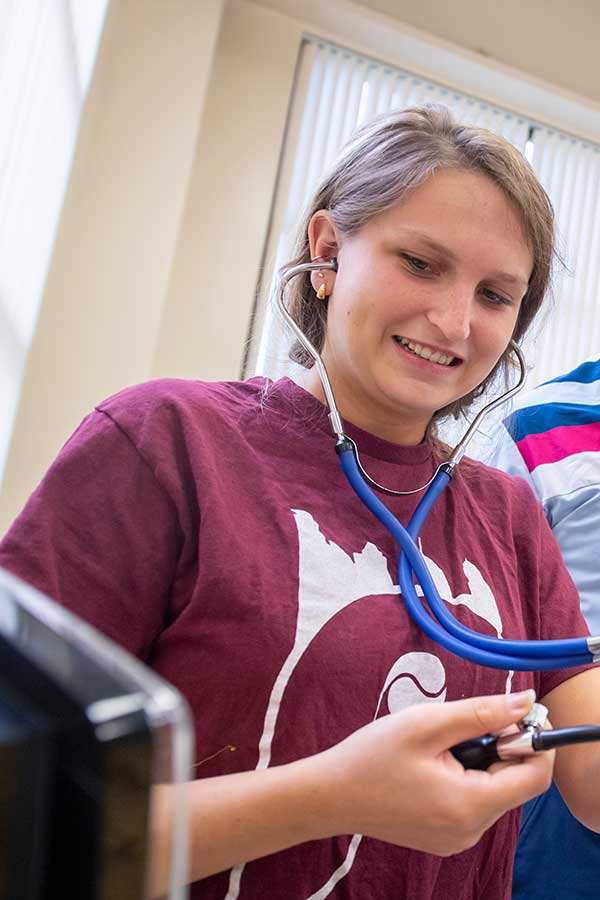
x: 442, y: 627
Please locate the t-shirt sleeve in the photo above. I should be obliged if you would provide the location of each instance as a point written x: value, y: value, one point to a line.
x: 100, y: 535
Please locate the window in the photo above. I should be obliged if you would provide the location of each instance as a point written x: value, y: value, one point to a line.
x: 336, y: 91
x: 47, y: 52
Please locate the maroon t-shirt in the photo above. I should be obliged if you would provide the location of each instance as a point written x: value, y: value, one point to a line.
x: 209, y: 529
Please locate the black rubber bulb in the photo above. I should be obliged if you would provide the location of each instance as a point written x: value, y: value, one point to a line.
x: 477, y: 753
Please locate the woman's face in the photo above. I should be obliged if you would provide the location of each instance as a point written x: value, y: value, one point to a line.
x: 424, y: 302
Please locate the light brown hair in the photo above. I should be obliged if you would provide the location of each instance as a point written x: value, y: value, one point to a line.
x: 391, y: 156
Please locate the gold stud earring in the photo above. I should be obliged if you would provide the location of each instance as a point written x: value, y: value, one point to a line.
x: 321, y: 291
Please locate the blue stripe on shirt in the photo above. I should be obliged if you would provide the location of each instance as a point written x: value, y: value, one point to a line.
x: 584, y: 374
x: 537, y: 419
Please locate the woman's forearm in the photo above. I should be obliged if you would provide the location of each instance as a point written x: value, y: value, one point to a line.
x: 238, y: 818
x: 241, y: 817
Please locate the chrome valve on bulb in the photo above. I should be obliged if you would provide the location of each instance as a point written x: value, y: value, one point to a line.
x: 482, y: 752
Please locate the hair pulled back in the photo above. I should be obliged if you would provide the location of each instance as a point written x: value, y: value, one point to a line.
x: 391, y: 156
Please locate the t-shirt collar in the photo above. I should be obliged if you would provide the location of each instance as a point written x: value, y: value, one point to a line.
x: 308, y: 412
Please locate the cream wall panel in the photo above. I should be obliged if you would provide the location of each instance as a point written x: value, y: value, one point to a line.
x: 104, y: 294
x: 458, y: 65
x: 555, y: 40
x: 211, y: 293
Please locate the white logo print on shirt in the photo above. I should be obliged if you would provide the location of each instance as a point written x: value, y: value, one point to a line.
x: 329, y: 581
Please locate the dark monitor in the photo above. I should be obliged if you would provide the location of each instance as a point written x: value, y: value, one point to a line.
x: 85, y: 732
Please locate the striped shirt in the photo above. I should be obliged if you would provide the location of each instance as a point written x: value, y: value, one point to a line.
x: 552, y: 438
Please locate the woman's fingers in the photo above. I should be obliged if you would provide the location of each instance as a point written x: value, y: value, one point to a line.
x: 464, y: 719
x: 508, y: 785
x: 396, y: 779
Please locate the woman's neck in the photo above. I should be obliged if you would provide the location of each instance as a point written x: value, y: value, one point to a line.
x: 393, y: 427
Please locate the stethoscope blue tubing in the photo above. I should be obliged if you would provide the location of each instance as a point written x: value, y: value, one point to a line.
x: 520, y: 655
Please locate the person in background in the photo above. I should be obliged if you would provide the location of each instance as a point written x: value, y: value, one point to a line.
x: 210, y: 530
x: 552, y: 439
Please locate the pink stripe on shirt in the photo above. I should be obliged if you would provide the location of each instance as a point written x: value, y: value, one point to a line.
x: 558, y: 443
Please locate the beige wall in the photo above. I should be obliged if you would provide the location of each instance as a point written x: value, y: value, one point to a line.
x: 555, y: 40
x: 166, y: 216
x: 103, y: 300
x: 213, y: 280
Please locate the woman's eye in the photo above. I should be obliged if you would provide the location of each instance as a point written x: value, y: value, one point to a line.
x: 495, y: 298
x: 419, y: 265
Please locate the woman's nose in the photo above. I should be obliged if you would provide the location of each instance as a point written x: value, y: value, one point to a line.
x: 452, y: 315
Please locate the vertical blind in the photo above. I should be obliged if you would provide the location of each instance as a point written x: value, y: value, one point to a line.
x: 47, y: 51
x: 569, y: 169
x: 337, y: 91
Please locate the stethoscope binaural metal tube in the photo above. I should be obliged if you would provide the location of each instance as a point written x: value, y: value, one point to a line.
x: 444, y: 628
x: 334, y: 417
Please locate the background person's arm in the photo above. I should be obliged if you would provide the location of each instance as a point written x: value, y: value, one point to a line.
x: 577, y: 769
x: 574, y: 520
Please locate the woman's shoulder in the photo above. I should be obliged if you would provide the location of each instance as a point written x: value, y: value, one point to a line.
x: 493, y: 485
x: 177, y: 398
x: 168, y: 416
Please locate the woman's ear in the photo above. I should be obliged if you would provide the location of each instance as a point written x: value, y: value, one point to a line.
x: 322, y: 235
x: 323, y: 241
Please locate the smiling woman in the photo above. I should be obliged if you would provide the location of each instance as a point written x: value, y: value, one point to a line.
x: 420, y: 301
x: 209, y: 528
x: 452, y: 216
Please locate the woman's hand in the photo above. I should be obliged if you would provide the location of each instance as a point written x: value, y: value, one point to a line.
x: 395, y: 779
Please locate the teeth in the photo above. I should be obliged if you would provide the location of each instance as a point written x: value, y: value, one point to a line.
x: 426, y: 353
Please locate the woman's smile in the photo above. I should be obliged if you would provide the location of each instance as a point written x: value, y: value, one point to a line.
x: 427, y: 353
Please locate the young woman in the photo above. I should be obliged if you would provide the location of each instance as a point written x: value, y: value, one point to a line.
x: 210, y: 530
